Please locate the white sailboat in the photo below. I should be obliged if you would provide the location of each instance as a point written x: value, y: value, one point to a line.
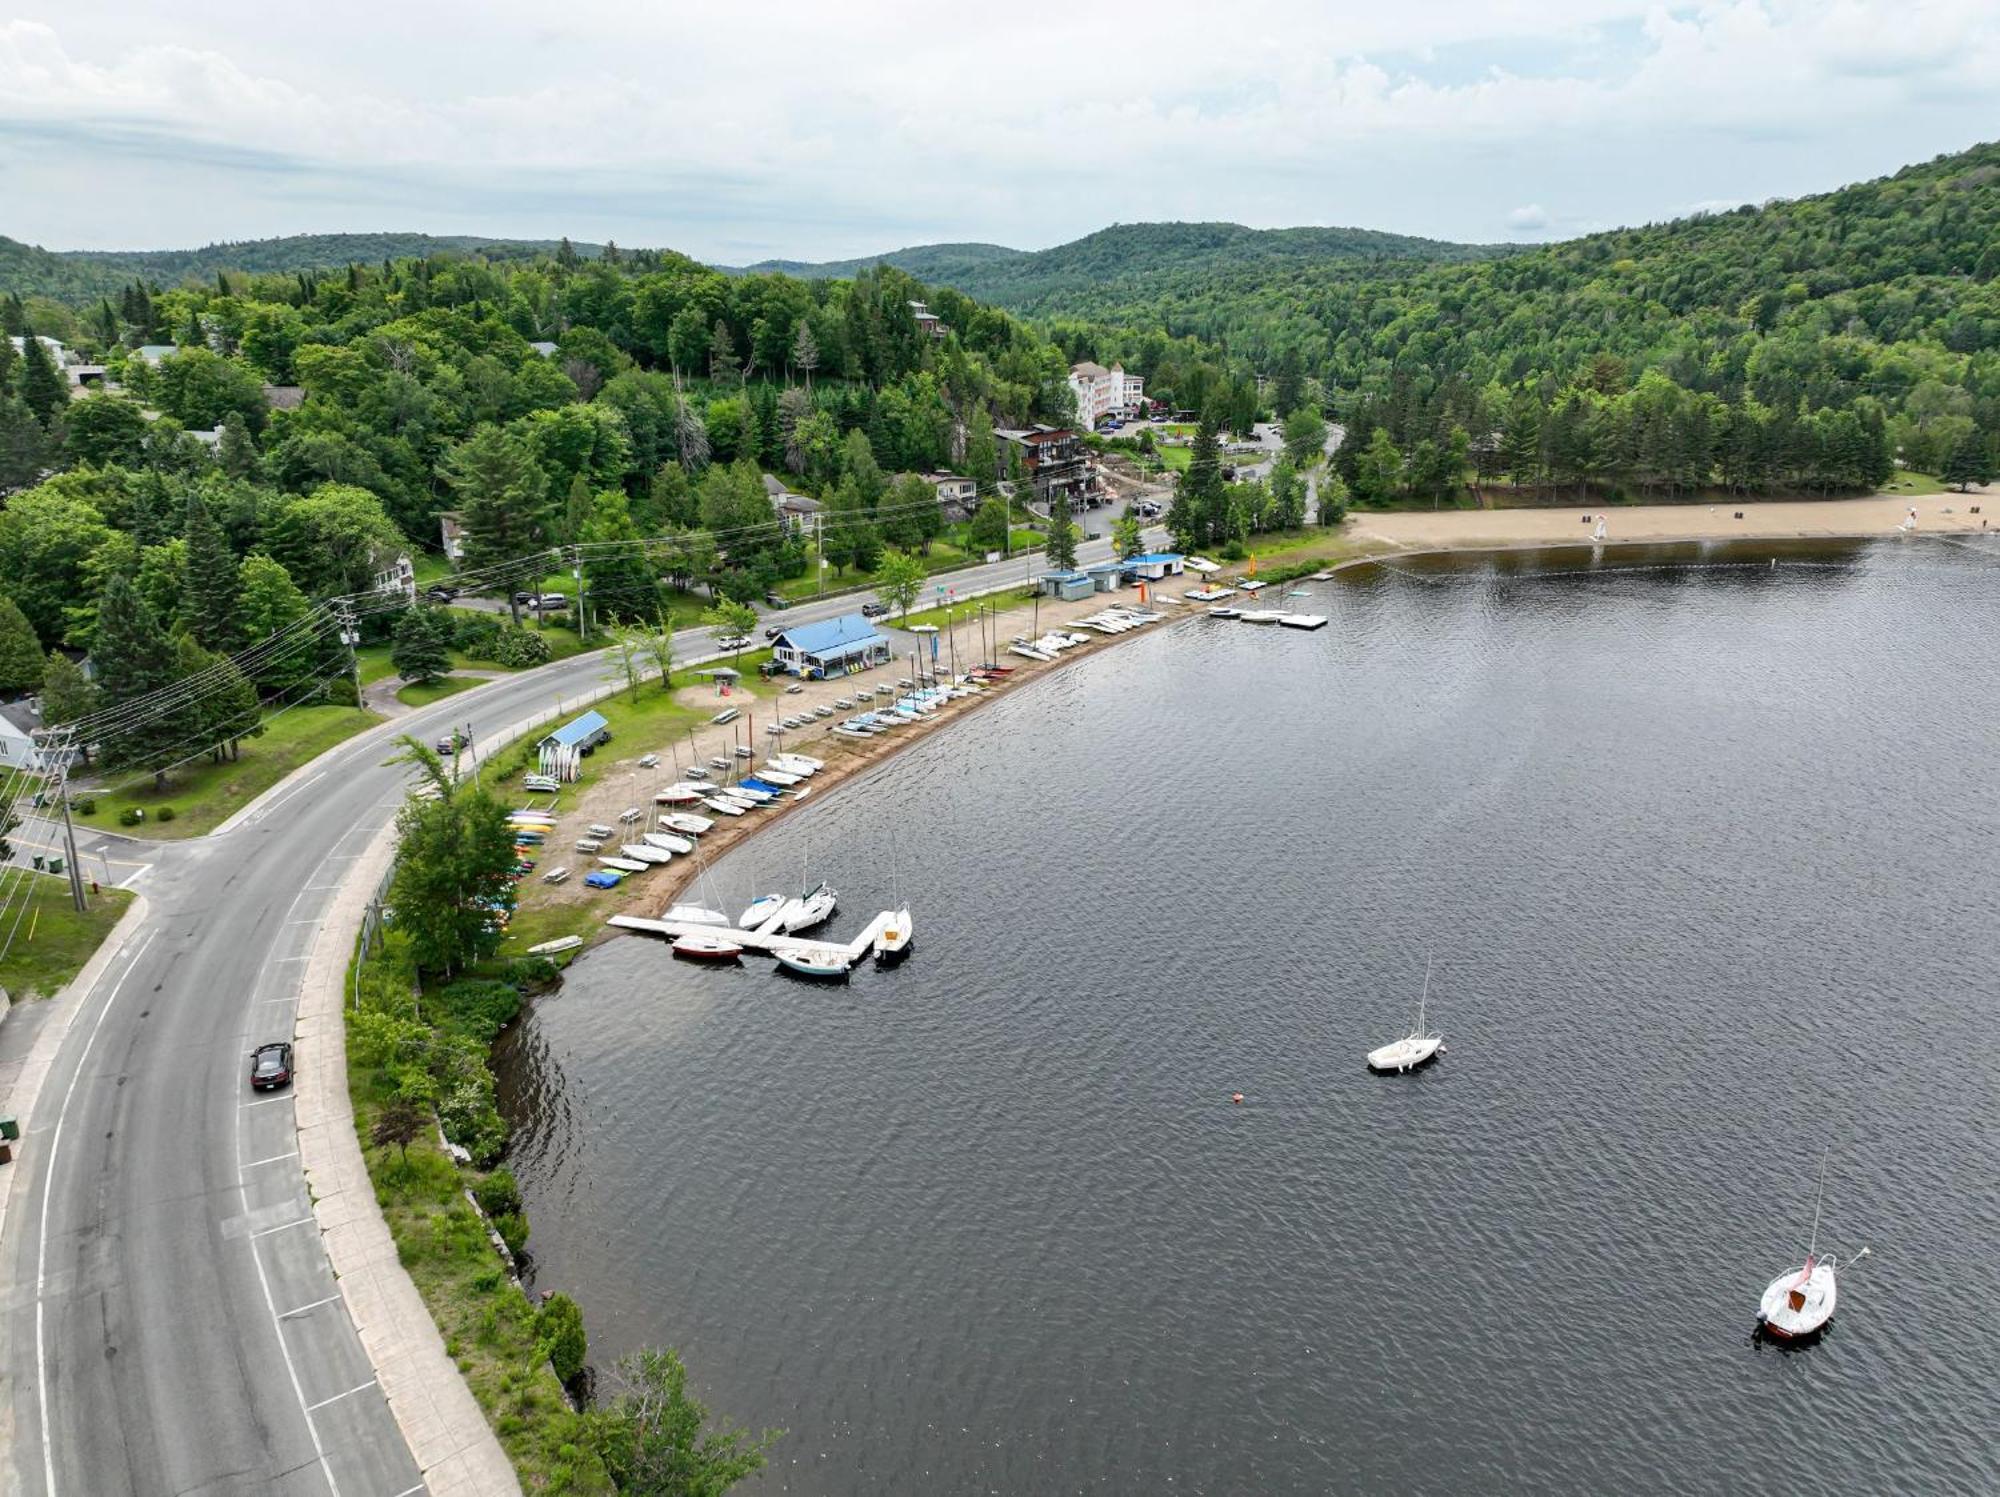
x: 695, y: 914
x: 762, y: 908
x: 815, y: 907
x: 1798, y: 1304
x: 816, y: 961
x: 1418, y: 1048
x: 670, y: 842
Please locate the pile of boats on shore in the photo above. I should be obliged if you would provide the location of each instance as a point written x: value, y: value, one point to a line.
x: 1120, y: 618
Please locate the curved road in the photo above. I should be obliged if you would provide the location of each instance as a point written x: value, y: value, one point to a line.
x: 169, y: 1324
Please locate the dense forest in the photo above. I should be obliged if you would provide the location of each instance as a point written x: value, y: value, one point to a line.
x: 82, y: 276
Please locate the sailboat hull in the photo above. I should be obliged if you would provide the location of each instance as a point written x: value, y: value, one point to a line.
x: 1798, y: 1306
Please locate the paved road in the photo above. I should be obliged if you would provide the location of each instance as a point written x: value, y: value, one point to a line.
x: 168, y: 1320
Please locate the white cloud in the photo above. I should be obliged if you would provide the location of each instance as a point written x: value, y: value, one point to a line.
x: 812, y: 129
x: 1530, y: 217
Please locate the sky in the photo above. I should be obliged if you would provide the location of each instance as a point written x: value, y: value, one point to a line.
x: 738, y: 131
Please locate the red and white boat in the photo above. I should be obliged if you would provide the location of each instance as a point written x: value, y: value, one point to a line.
x: 704, y: 948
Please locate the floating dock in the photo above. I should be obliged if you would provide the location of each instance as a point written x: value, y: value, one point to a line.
x: 764, y: 938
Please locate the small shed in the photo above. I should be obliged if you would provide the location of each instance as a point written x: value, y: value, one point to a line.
x: 582, y: 734
x: 1069, y: 586
x: 833, y: 647
x: 1156, y: 564
x: 1107, y: 576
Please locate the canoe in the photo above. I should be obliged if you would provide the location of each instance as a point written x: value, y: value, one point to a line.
x: 556, y: 947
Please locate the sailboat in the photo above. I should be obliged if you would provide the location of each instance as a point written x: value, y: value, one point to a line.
x: 1798, y: 1303
x: 762, y: 908
x: 1418, y: 1048
x: 815, y: 907
x: 892, y: 941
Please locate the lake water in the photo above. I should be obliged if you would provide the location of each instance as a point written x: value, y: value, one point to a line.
x: 1707, y: 856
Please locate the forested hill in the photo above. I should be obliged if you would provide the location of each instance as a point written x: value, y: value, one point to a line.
x: 78, y: 276
x: 1127, y: 263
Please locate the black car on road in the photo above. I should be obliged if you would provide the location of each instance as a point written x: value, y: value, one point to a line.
x: 271, y: 1066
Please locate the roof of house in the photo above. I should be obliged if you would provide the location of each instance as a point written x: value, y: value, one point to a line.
x: 543, y: 347
x: 582, y: 730
x: 1088, y: 370
x: 451, y: 523
x: 152, y: 353
x: 20, y: 716
x: 1154, y: 557
x: 796, y: 504
x: 946, y: 478
x: 842, y: 636
x: 284, y: 397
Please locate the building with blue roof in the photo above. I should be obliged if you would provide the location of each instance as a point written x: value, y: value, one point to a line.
x: 582, y: 734
x: 1068, y: 586
x: 833, y: 647
x: 1156, y: 564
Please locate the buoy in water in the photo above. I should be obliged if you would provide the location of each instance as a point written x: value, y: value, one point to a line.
x: 1237, y: 1098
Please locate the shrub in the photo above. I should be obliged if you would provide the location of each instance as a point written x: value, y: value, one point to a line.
x: 513, y: 1230
x: 340, y: 692
x: 131, y: 816
x: 559, y: 1330
x: 1232, y: 551
x: 520, y: 647
x: 165, y: 813
x: 475, y: 634
x: 87, y: 806
x: 531, y: 974
x: 480, y: 1007
x: 498, y: 1194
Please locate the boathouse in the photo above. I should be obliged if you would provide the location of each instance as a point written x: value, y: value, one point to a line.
x: 833, y: 647
x: 1069, y: 586
x: 582, y: 734
x: 1155, y: 564
x: 1107, y: 576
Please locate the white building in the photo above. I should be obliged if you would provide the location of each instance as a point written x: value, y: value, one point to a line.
x: 1104, y: 393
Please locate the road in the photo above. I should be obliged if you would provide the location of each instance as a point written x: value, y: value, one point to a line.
x: 169, y: 1323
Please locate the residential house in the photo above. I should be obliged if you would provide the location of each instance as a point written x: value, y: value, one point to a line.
x: 397, y: 577
x: 451, y: 530
x: 957, y: 496
x: 796, y: 510
x: 927, y: 320
x: 153, y: 353
x: 833, y: 647
x: 57, y: 351
x: 19, y: 753
x: 1056, y: 463
x: 284, y: 397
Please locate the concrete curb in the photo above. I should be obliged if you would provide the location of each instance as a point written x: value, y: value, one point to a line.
x: 454, y: 1446
x: 23, y: 1089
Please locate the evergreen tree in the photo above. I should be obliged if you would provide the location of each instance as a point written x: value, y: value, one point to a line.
x: 623, y: 585
x: 43, y: 389
x: 988, y: 528
x: 1289, y: 389
x: 68, y: 695
x: 26, y: 449
x: 21, y: 661
x: 420, y: 645
x: 134, y: 656
x: 499, y: 489
x: 1196, y: 517
x: 1970, y: 461
x: 237, y: 452
x: 1062, y: 534
x: 211, y: 582
x: 270, y: 608
x: 805, y: 352
x: 723, y: 365
x: 982, y: 456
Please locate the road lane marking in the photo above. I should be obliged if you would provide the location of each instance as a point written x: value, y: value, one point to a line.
x: 292, y: 1371
x: 42, y: 1246
x: 411, y: 1491
x: 264, y: 1101
x: 359, y: 1388
x: 275, y: 1158
x: 271, y: 805
x: 302, y: 1309
x: 283, y: 1227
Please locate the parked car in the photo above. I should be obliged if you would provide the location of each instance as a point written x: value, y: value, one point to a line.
x: 874, y: 610
x: 439, y: 593
x: 271, y: 1066
x: 772, y: 600
x: 551, y: 602
x: 523, y: 600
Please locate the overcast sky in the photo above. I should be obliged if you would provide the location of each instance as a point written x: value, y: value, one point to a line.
x: 736, y: 131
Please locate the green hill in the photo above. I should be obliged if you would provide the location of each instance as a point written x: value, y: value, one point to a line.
x: 1132, y: 263
x: 77, y: 276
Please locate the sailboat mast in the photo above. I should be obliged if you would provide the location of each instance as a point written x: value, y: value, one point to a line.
x: 1425, y: 998
x: 1818, y: 1198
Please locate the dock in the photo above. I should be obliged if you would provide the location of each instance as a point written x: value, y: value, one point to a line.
x: 764, y: 938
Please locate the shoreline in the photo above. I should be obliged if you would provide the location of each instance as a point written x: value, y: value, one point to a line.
x: 1387, y: 535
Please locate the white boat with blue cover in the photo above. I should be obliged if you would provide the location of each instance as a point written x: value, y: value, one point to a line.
x: 761, y: 909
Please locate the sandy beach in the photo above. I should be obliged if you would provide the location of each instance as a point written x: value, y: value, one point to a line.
x: 1881, y: 514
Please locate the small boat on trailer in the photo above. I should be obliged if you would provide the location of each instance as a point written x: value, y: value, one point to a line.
x: 1414, y: 1050
x: 1798, y: 1305
x: 828, y: 963
x: 698, y: 947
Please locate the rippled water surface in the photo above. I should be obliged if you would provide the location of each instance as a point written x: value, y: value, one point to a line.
x: 1707, y: 855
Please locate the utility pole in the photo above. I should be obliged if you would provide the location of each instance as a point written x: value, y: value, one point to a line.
x: 69, y: 830
x: 819, y: 554
x: 582, y: 609
x: 350, y: 635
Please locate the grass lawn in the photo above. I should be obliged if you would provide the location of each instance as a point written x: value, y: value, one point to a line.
x: 204, y: 795
x: 1175, y: 459
x: 435, y: 691
x: 963, y: 612
x: 1909, y: 481
x: 51, y: 941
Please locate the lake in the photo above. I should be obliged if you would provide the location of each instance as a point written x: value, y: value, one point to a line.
x: 1704, y: 853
